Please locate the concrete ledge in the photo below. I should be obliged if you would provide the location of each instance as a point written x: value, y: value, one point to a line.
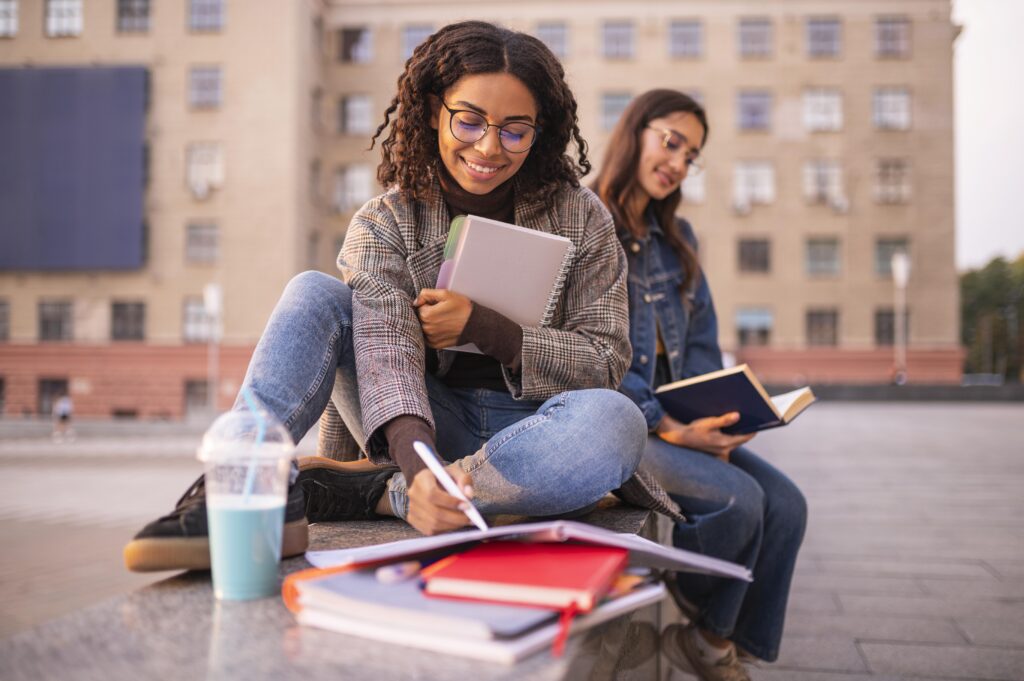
x: 1010, y: 392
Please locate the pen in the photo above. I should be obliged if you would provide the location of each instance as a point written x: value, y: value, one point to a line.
x: 397, y: 572
x: 449, y: 485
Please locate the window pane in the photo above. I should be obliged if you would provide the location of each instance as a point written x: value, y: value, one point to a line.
x: 612, y: 106
x: 355, y: 45
x: 885, y: 326
x: 196, y: 325
x: 823, y: 327
x: 892, y: 181
x: 206, y: 15
x: 556, y: 36
x: 754, y: 182
x: 755, y: 37
x: 204, y: 89
x: 892, y: 37
x: 63, y: 17
x: 127, y: 321
x: 823, y: 181
x: 892, y: 108
x: 204, y: 168
x: 695, y: 188
x: 412, y: 36
x: 197, y: 397
x: 754, y: 326
x: 354, y: 115
x: 51, y: 390
x: 55, y: 320
x: 686, y: 38
x: 132, y: 16
x: 823, y: 37
x: 755, y: 108
x: 754, y: 255
x: 353, y: 186
x: 823, y: 109
x: 885, y: 248
x: 617, y: 39
x: 202, y: 243
x: 8, y: 18
x: 823, y: 257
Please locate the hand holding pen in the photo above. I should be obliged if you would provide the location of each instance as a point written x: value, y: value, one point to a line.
x: 433, y: 508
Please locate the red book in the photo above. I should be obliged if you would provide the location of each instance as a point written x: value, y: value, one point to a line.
x: 557, y: 576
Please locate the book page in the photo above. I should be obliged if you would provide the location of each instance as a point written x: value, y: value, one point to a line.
x: 784, y: 402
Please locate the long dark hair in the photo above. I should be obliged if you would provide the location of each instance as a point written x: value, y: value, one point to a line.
x: 409, y: 152
x: 617, y: 181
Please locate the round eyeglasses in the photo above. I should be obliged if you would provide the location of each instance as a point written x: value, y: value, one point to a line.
x: 470, y: 127
x: 676, y: 142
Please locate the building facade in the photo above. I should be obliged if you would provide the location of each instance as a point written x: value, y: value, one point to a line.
x: 831, y: 148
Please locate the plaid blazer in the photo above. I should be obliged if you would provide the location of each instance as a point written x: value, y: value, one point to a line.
x: 394, y: 247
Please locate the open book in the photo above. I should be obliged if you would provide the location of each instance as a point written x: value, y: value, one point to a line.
x: 510, y: 269
x: 735, y: 389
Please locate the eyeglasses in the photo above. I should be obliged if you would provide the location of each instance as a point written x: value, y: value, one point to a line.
x: 470, y: 127
x: 675, y: 142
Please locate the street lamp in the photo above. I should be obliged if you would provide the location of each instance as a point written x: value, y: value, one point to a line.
x: 900, y: 265
x: 213, y: 307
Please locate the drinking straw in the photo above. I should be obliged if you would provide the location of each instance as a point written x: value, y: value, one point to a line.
x: 261, y: 429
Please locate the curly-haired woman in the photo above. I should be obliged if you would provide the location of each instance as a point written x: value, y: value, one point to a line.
x: 738, y: 506
x: 480, y: 124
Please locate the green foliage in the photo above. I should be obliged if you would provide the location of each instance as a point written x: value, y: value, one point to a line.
x: 992, y: 318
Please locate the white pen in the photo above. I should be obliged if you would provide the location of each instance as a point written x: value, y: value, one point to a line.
x: 449, y: 485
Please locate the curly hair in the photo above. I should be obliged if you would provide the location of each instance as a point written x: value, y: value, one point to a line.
x: 616, y: 182
x: 410, y: 150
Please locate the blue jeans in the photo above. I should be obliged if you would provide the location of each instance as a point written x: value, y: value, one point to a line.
x: 745, y: 511
x: 526, y: 457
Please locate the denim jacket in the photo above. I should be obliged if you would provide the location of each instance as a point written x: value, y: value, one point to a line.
x: 689, y: 332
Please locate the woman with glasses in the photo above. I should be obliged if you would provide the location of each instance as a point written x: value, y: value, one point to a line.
x: 480, y: 125
x: 737, y: 506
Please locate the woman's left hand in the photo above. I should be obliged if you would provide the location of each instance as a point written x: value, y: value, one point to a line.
x: 443, y: 315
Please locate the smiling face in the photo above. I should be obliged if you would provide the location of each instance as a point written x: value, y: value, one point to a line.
x: 501, y: 98
x: 661, y: 169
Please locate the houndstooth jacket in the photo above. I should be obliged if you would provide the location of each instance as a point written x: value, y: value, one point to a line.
x: 394, y: 247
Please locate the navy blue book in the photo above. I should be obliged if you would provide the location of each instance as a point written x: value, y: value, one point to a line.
x: 735, y: 389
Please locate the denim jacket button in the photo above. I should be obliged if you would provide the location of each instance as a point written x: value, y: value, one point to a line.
x: 647, y: 297
x: 643, y: 359
x: 635, y: 247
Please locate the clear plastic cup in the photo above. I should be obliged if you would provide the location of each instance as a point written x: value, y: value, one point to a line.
x: 247, y: 458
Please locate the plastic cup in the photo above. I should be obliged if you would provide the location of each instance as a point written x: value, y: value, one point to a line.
x: 247, y: 458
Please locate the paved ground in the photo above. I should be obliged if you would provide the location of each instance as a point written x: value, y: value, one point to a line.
x: 913, y: 566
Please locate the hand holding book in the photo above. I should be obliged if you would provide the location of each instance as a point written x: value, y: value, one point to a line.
x: 443, y: 315
x: 704, y: 434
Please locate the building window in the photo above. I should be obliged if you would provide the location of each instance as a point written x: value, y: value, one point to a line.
x: 127, y: 321
x: 355, y: 45
x: 202, y: 243
x: 132, y: 16
x: 823, y: 257
x: 892, y: 181
x: 555, y: 35
x: 353, y: 186
x: 314, y: 181
x: 197, y: 397
x: 753, y: 183
x: 695, y: 188
x: 55, y: 320
x: 823, y: 110
x: 196, y: 324
x: 316, y: 106
x: 755, y: 110
x: 823, y: 327
x: 755, y: 38
x: 823, y: 181
x: 612, y: 106
x: 412, y: 36
x: 617, y: 39
x: 204, y: 87
x: 754, y: 326
x: 204, y: 168
x: 824, y: 37
x: 50, y: 390
x: 892, y: 37
x: 8, y: 18
x: 686, y: 39
x: 885, y: 248
x: 5, y: 321
x: 885, y: 326
x: 354, y: 115
x: 754, y: 255
x: 206, y: 15
x: 892, y: 108
x: 63, y: 18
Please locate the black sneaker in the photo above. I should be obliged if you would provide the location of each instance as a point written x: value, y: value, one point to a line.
x: 342, y: 490
x: 180, y: 540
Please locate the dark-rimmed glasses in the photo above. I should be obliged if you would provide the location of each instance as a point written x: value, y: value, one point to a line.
x: 470, y: 127
x: 675, y: 142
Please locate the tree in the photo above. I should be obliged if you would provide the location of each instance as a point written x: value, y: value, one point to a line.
x: 992, y: 318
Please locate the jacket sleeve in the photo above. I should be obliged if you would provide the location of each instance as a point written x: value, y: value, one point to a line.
x: 702, y: 352
x: 590, y: 349
x: 639, y: 390
x: 387, y: 339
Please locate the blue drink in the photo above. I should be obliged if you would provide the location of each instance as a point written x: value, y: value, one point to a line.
x: 245, y: 544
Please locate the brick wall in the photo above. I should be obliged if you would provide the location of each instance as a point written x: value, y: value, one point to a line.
x: 842, y: 366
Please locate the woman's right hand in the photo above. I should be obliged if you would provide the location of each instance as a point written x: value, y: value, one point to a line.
x: 704, y: 435
x: 431, y: 509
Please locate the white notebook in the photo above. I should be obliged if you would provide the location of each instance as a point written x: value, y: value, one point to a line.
x: 510, y: 269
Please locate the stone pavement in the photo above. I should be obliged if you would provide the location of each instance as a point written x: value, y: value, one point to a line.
x: 913, y: 566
